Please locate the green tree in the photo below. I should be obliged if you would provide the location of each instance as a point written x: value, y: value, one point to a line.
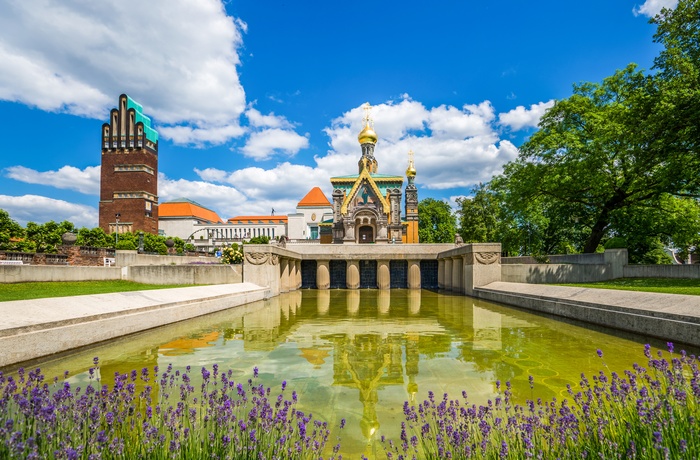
x: 9, y: 231
x: 597, y: 156
x: 259, y: 240
x: 95, y: 237
x: 479, y: 216
x: 678, y: 109
x: 436, y: 222
x: 47, y: 237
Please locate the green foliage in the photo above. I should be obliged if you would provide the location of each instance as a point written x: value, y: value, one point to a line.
x: 656, y: 256
x: 153, y: 243
x: 10, y: 232
x: 616, y: 242
x: 436, y: 222
x: 479, y: 216
x: 95, y: 237
x: 259, y: 240
x: 47, y: 237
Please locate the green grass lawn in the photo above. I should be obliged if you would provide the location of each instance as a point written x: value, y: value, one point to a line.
x: 664, y: 285
x: 24, y: 291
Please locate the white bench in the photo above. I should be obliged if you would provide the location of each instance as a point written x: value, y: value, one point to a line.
x: 11, y: 262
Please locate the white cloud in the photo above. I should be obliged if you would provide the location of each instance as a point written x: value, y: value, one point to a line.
x: 520, y: 117
x: 247, y: 197
x: 128, y: 46
x: 262, y: 145
x: 41, y: 209
x: 259, y: 120
x: 651, y: 8
x: 454, y: 147
x: 85, y: 181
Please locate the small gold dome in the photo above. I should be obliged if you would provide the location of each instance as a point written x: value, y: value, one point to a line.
x: 411, y: 171
x: 367, y: 135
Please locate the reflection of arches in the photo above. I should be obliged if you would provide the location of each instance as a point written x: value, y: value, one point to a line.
x: 365, y: 234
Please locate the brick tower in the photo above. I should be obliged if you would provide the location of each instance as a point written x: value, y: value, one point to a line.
x: 129, y: 177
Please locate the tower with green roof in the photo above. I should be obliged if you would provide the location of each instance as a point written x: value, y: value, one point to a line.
x: 129, y: 176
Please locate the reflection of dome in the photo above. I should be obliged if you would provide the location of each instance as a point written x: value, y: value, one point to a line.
x: 313, y: 356
x: 367, y: 135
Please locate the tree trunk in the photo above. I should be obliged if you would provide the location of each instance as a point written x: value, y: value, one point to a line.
x: 597, y: 232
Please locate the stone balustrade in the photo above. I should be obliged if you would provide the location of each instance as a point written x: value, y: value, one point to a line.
x: 459, y: 268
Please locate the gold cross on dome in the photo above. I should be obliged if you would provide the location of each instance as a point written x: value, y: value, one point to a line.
x: 410, y: 156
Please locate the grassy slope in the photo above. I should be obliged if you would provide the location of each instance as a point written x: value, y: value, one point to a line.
x: 664, y: 285
x: 24, y: 291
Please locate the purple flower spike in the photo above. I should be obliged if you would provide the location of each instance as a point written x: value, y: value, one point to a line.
x: 600, y: 352
x: 670, y: 347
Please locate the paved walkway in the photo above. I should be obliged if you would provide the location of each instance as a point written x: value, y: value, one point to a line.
x: 33, y: 328
x: 668, y: 316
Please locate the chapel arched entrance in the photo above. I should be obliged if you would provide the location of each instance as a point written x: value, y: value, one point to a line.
x: 365, y: 234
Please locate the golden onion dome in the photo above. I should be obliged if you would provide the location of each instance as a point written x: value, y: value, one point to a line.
x: 411, y: 171
x: 367, y: 135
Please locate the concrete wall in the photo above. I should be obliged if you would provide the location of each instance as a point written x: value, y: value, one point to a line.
x: 43, y: 273
x: 147, y: 274
x: 129, y: 258
x: 269, y: 266
x: 597, y: 258
x: 554, y: 273
x: 185, y: 274
x: 662, y: 271
x: 601, y: 267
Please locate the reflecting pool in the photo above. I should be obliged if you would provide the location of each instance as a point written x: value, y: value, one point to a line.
x: 359, y: 354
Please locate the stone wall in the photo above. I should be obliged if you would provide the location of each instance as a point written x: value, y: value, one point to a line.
x: 126, y: 258
x: 662, y: 271
x: 45, y: 273
x: 185, y: 274
x: 147, y: 274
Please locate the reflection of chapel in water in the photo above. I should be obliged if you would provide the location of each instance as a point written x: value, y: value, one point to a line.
x: 367, y: 205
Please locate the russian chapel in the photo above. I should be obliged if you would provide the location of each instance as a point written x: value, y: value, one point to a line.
x: 367, y: 205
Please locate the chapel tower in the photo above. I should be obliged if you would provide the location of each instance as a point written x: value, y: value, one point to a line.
x: 129, y: 176
x: 411, y: 204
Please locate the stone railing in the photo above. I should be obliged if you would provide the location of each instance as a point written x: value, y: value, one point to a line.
x: 275, y: 267
x: 467, y: 267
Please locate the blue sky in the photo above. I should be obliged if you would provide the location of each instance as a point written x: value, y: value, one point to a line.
x: 258, y: 101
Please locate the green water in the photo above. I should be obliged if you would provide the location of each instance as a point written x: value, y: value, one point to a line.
x: 359, y: 355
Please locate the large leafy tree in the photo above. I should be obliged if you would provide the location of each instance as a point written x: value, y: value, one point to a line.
x: 436, y: 222
x: 601, y: 153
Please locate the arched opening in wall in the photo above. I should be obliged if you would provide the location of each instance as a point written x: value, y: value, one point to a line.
x: 365, y: 234
x: 338, y: 274
x: 308, y: 274
x: 429, y: 274
x: 368, y: 274
x: 398, y: 270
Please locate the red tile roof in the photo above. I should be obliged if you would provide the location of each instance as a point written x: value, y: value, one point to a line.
x: 314, y: 198
x: 188, y: 209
